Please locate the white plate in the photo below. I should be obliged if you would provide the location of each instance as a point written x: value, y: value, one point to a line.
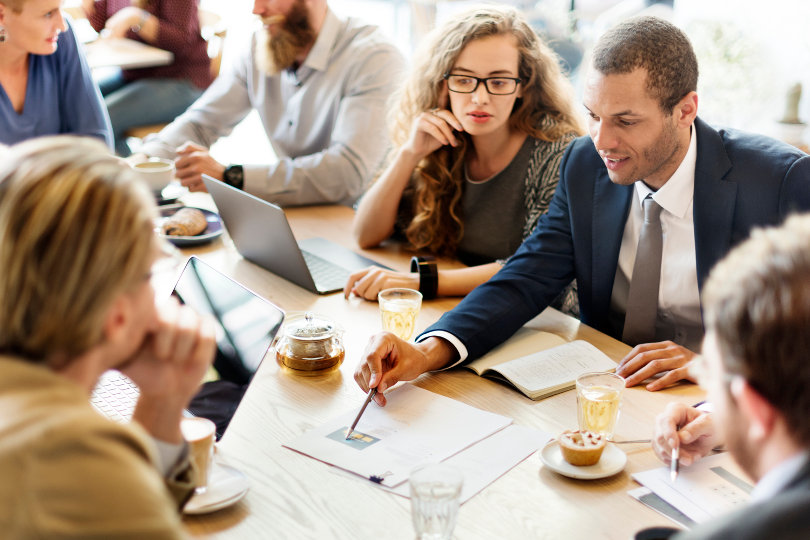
x: 226, y: 486
x: 612, y: 461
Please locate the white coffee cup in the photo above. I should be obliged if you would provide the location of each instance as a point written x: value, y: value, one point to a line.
x: 156, y: 172
x: 199, y: 433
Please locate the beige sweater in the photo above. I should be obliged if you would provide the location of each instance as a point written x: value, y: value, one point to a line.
x: 68, y: 472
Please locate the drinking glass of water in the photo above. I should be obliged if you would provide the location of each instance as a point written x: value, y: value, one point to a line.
x: 435, y: 494
x: 399, y: 308
x: 598, y: 401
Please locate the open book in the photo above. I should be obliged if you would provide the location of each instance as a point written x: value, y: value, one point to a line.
x: 541, y: 364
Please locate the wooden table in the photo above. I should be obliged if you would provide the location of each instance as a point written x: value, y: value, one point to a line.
x: 125, y: 54
x: 293, y: 496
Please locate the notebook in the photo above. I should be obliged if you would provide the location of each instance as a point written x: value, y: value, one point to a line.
x: 261, y: 233
x: 246, y: 326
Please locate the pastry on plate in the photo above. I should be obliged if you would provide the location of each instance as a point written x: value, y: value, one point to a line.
x: 581, y: 448
x: 185, y: 222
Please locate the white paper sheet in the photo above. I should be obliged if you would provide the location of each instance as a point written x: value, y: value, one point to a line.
x: 415, y: 427
x: 713, y: 486
x: 487, y: 460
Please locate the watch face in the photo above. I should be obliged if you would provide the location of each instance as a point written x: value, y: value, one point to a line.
x: 234, y: 176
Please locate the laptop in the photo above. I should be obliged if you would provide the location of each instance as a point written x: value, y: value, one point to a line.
x: 261, y: 233
x: 246, y: 326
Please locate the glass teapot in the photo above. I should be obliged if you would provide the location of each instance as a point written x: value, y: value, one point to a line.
x: 310, y: 345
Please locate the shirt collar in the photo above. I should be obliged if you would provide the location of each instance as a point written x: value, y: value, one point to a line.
x: 779, y: 477
x: 318, y: 57
x: 675, y: 196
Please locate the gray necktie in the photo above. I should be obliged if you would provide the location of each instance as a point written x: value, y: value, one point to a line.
x: 642, y: 300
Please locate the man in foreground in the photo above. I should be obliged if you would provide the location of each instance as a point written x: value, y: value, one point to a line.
x: 755, y: 370
x: 319, y: 84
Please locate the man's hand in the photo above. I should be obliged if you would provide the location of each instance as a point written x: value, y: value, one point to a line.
x: 649, y: 359
x: 367, y: 283
x: 169, y: 368
x: 388, y: 360
x: 192, y: 162
x: 691, y: 430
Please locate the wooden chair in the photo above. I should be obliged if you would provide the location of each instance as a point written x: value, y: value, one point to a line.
x: 213, y: 31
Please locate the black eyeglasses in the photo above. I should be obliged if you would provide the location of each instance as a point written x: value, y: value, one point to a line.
x: 467, y: 84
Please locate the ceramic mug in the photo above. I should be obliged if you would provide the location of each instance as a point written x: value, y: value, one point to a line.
x: 156, y: 172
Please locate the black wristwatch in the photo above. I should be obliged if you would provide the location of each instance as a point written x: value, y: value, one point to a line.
x: 428, y: 275
x: 234, y: 175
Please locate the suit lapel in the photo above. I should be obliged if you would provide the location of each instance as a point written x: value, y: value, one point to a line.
x: 610, y: 208
x: 714, y: 200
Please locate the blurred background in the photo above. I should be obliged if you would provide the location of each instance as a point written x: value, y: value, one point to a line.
x: 752, y: 53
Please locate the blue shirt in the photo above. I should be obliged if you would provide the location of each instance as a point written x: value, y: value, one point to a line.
x: 61, y: 97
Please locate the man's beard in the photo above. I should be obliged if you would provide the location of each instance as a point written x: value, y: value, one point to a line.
x: 293, y: 36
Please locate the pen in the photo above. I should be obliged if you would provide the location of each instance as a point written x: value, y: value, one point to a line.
x: 370, y: 395
x: 673, y: 464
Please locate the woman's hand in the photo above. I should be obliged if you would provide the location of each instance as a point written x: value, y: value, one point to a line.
x: 369, y: 282
x: 431, y: 130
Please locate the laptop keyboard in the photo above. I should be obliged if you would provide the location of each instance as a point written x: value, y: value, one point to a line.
x: 327, y: 276
x: 115, y: 396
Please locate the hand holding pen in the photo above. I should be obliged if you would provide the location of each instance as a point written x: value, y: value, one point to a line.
x: 683, y: 435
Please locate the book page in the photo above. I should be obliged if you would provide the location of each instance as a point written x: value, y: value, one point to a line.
x: 524, y: 341
x: 555, y: 368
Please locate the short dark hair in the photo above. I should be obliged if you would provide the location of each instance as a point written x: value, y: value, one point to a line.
x: 658, y: 47
x: 757, y: 303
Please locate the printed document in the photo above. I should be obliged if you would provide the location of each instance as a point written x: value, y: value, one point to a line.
x: 712, y: 486
x: 415, y: 427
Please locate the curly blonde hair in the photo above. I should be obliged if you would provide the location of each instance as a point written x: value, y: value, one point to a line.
x: 545, y: 111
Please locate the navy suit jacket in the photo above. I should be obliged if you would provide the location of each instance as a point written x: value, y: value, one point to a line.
x: 741, y: 181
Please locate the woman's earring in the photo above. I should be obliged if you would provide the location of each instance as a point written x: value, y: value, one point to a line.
x: 2, y: 34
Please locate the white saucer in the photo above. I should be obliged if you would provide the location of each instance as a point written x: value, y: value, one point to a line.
x: 226, y: 486
x: 612, y: 461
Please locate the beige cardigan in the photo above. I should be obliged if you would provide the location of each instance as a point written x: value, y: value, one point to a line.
x: 68, y: 472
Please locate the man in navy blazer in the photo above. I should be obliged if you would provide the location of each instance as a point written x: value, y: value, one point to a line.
x: 755, y: 371
x: 645, y: 139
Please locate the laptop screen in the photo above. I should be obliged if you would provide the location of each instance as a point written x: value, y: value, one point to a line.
x: 246, y: 326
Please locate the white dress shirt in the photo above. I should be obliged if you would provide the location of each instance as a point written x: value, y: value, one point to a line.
x: 679, y: 316
x: 325, y: 120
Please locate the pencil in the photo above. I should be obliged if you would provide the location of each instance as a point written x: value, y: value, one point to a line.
x: 370, y: 395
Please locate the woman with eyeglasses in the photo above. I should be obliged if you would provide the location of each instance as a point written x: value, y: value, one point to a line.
x: 479, y: 130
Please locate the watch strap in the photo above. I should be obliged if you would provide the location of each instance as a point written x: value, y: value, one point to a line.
x: 428, y: 275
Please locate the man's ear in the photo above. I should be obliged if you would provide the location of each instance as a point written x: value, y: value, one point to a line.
x: 686, y: 109
x: 762, y: 415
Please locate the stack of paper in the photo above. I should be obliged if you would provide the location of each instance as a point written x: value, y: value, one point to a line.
x: 418, y: 427
x: 713, y: 486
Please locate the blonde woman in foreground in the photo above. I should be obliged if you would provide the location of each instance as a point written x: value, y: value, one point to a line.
x: 76, y: 248
x: 479, y: 128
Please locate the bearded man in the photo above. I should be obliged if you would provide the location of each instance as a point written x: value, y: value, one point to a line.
x: 320, y: 85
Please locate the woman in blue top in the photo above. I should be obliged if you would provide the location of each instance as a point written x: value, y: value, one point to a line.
x: 45, y: 83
